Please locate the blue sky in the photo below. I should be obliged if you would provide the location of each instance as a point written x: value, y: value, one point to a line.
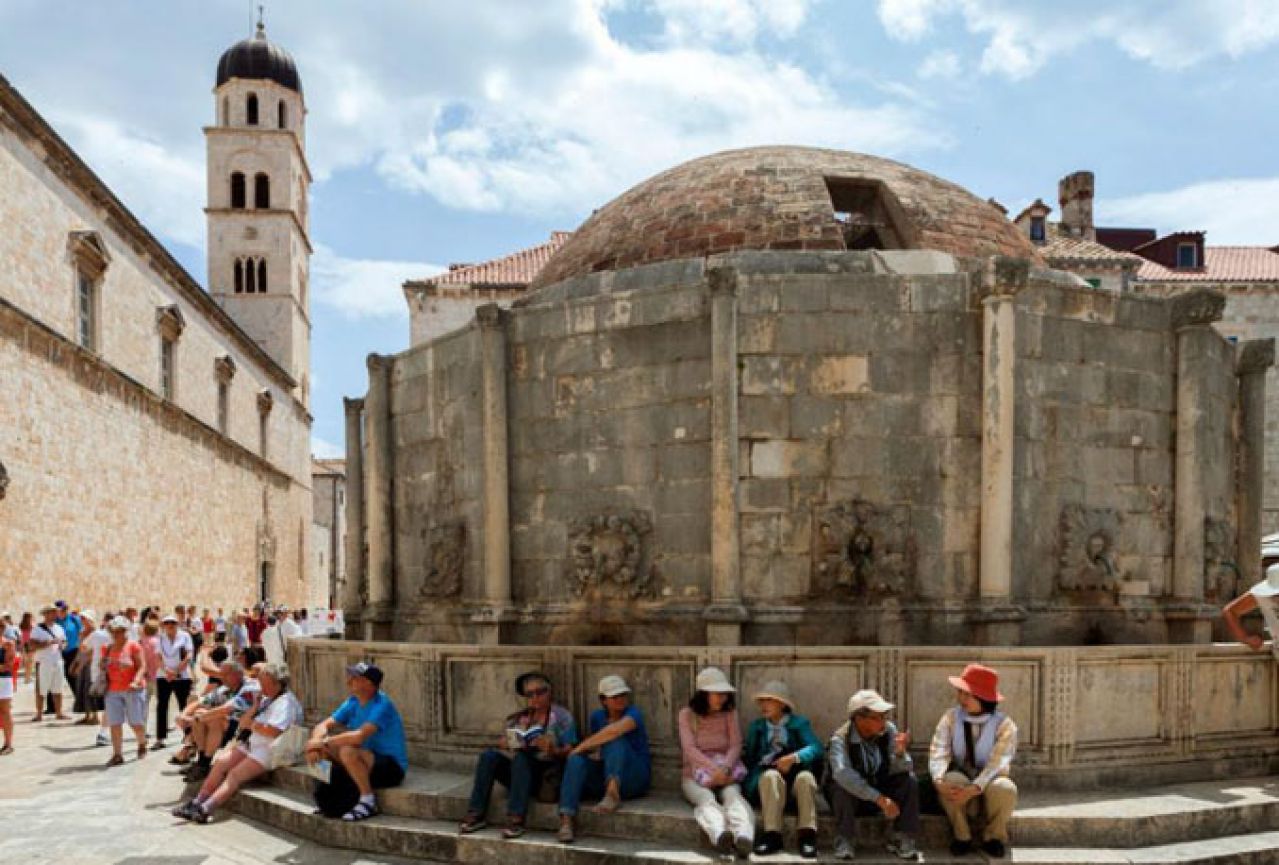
x: 445, y: 131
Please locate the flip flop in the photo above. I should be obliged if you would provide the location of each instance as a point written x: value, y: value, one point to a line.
x: 361, y: 811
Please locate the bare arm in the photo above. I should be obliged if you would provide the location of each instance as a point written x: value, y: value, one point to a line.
x: 615, y: 730
x: 1231, y: 615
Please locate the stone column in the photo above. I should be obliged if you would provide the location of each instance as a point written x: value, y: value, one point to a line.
x: 1254, y: 360
x: 496, y: 605
x: 380, y: 567
x: 1192, y: 316
x: 726, y: 613
x: 999, y: 621
x: 353, y: 590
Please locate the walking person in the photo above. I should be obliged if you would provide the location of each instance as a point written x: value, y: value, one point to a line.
x: 711, y: 743
x: 126, y: 674
x: 48, y: 638
x: 174, y: 679
x: 8, y: 679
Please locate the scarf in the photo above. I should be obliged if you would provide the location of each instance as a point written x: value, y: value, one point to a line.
x: 987, y: 726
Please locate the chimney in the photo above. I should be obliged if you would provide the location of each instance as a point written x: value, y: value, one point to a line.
x: 1074, y: 194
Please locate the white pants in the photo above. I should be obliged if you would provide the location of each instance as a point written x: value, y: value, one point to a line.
x: 734, y: 815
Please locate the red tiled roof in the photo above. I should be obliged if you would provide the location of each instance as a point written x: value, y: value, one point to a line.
x: 1066, y: 249
x: 517, y: 269
x: 1221, y: 264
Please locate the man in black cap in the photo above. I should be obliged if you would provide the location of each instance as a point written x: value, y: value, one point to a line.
x: 364, y: 740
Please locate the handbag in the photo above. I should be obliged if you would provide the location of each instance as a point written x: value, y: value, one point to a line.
x: 703, y: 775
x: 287, y: 748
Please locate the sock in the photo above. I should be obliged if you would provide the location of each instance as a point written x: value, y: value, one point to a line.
x: 370, y: 799
x: 204, y: 761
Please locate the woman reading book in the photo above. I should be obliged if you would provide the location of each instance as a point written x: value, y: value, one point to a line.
x: 534, y: 744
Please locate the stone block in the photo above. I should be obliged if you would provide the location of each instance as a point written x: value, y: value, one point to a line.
x: 684, y: 379
x: 770, y: 375
x: 900, y: 372
x: 760, y: 533
x: 941, y: 292
x: 871, y: 294
x: 757, y: 297
x: 826, y: 333
x: 764, y: 494
x: 1115, y: 465
x: 684, y: 534
x: 854, y: 457
x: 1062, y: 339
x: 839, y: 375
x: 775, y: 577
x: 677, y: 462
x: 961, y: 530
x: 763, y: 417
x: 805, y: 294
x: 639, y: 466
x: 683, y: 497
x: 756, y: 334
x: 779, y: 458
x: 815, y: 417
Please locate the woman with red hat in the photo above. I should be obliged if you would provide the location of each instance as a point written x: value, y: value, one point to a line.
x: 969, y: 759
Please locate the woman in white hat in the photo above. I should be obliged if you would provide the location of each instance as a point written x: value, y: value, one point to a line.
x: 126, y: 702
x: 711, y: 742
x: 1264, y: 598
x: 84, y: 672
x: 612, y: 762
x: 783, y: 757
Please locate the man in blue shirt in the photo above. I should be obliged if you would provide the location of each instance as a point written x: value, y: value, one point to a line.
x: 364, y: 739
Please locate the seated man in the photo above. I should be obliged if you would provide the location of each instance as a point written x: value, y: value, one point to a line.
x: 215, y: 718
x: 871, y: 774
x: 364, y: 740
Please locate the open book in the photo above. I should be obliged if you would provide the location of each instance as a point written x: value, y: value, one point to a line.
x: 519, y: 739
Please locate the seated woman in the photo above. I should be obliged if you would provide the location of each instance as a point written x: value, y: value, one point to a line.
x: 612, y: 761
x: 711, y: 742
x: 783, y: 757
x: 275, y: 711
x: 536, y: 741
x: 969, y: 759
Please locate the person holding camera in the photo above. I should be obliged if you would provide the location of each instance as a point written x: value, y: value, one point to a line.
x: 173, y: 678
x: 783, y: 758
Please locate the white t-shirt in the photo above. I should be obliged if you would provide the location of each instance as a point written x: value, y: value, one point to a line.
x: 93, y: 645
x: 1270, y: 612
x: 51, y: 653
x: 171, y: 653
x: 273, y: 645
x: 282, y: 713
x: 290, y: 629
x: 219, y: 625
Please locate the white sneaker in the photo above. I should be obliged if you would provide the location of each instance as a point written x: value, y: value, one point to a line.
x: 102, y: 740
x: 844, y: 848
x: 903, y: 847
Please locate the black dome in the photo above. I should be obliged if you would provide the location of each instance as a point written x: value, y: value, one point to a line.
x: 259, y: 58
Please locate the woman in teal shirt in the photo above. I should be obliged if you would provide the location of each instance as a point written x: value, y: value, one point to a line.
x: 783, y: 759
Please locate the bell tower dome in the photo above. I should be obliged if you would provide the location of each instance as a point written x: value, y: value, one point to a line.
x: 259, y: 247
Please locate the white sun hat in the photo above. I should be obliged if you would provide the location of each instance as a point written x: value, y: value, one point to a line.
x: 1269, y: 587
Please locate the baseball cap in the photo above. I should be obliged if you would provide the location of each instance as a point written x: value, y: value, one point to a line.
x: 611, y: 686
x: 368, y: 671
x: 169, y: 619
x: 868, y: 699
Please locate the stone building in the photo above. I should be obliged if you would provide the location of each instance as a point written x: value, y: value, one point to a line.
x: 446, y: 302
x: 328, y: 533
x: 155, y: 435
x: 785, y: 396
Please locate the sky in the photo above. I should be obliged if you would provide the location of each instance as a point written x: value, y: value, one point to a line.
x: 441, y: 131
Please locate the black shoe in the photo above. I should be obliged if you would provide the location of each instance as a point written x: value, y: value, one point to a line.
x: 743, y: 846
x: 197, y: 772
x: 994, y: 847
x: 961, y: 848
x: 724, y: 844
x: 768, y: 844
x: 808, y: 843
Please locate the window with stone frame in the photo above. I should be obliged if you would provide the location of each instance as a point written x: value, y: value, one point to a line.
x: 262, y: 191
x: 90, y: 260
x: 224, y: 371
x: 170, y: 324
x: 237, y: 191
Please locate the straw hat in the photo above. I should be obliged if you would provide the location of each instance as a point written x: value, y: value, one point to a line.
x: 776, y: 691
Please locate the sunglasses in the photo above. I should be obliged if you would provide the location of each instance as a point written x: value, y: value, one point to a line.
x: 536, y: 692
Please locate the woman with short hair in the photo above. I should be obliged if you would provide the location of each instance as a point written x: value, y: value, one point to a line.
x: 273, y: 712
x: 125, y: 668
x: 711, y: 744
x: 784, y: 758
x: 969, y: 760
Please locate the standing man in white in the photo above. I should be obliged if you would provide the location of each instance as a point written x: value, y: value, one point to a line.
x: 174, y: 677
x: 1263, y: 598
x: 47, y: 639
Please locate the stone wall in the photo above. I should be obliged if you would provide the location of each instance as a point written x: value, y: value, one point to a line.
x: 435, y: 310
x: 1086, y: 716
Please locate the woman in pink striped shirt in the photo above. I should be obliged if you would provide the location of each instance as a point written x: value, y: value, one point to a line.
x: 711, y: 741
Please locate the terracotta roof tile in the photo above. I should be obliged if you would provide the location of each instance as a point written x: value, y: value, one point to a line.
x: 1221, y: 264
x: 516, y: 269
x: 1066, y: 249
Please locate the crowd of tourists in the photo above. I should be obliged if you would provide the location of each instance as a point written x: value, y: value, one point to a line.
x: 863, y: 768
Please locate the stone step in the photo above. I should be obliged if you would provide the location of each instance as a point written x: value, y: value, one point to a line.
x: 1111, y: 819
x: 437, y: 840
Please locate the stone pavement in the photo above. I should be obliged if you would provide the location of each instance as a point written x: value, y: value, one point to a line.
x: 59, y: 804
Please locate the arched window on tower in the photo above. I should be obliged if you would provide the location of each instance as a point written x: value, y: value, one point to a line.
x: 284, y: 116
x: 251, y: 110
x: 261, y: 191
x: 226, y: 111
x: 262, y: 275
x: 239, y: 276
x: 250, y: 277
x: 237, y: 191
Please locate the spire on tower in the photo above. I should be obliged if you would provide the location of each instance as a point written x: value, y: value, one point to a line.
x: 261, y: 34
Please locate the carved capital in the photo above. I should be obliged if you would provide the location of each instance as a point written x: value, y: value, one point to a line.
x: 1005, y: 277
x: 1255, y: 355
x: 722, y: 281
x: 89, y: 252
x: 377, y: 363
x: 489, y: 316
x: 224, y: 368
x: 354, y: 406
x: 265, y: 401
x: 170, y: 321
x: 1197, y: 308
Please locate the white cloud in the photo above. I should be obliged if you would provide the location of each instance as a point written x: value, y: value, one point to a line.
x: 733, y: 21
x: 326, y: 450
x: 1022, y: 37
x: 364, y: 288
x: 945, y: 65
x: 1232, y: 212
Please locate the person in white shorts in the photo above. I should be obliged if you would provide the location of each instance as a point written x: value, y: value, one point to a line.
x: 48, y: 638
x: 8, y: 667
x: 1264, y: 598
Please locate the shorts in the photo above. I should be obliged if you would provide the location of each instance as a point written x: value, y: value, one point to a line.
x: 386, y: 772
x: 260, y: 754
x: 126, y: 707
x: 6, y: 687
x: 50, y: 678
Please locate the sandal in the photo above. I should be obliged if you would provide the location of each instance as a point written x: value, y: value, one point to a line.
x: 116, y: 760
x: 607, y: 805
x: 566, y: 835
x: 142, y: 750
x: 6, y: 750
x: 471, y: 823
x: 361, y: 811
x: 513, y: 829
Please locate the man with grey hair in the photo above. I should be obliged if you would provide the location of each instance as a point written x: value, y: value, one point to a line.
x: 214, y: 719
x: 871, y: 774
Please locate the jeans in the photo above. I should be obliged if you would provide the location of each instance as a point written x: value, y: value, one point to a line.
x: 902, y: 788
x: 585, y: 776
x: 520, y: 773
x: 180, y: 688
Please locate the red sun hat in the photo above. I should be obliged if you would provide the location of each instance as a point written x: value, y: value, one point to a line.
x: 981, y: 682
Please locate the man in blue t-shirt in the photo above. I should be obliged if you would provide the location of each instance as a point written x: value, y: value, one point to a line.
x: 365, y: 737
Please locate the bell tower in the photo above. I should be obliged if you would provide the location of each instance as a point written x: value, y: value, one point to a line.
x: 259, y: 247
